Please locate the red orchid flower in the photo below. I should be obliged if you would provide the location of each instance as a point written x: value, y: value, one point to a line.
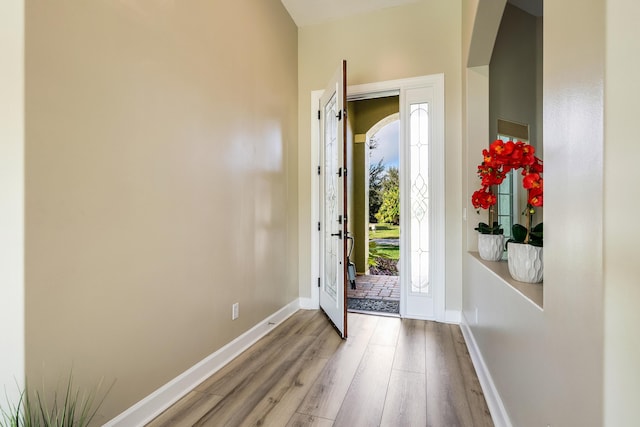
x: 501, y: 158
x: 532, y: 180
x: 536, y: 166
x: 535, y: 197
x: 483, y: 198
x: 492, y: 178
x: 529, y: 150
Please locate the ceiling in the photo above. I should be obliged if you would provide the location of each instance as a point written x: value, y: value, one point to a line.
x: 311, y: 12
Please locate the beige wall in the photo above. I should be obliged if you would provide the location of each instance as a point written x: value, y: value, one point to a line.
x: 161, y: 155
x: 515, y: 83
x: 621, y: 207
x: 369, y: 112
x: 11, y: 201
x: 418, y: 39
x: 547, y: 364
x: 512, y: 73
x: 135, y: 113
x: 574, y: 55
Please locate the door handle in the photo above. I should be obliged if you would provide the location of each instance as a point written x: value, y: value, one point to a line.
x: 338, y: 234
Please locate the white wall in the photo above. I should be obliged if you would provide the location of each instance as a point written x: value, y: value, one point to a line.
x: 547, y: 365
x: 417, y: 39
x: 11, y: 200
x: 622, y: 205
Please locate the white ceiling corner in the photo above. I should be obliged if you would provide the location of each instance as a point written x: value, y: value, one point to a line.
x: 311, y: 12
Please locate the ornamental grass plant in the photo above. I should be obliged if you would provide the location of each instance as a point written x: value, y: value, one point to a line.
x: 70, y: 408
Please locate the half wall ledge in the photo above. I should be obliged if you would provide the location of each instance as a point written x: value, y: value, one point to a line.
x: 531, y: 291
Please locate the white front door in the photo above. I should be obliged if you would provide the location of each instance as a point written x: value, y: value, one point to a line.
x: 333, y: 200
x: 422, y: 188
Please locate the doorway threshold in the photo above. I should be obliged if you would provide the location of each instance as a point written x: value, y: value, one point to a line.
x: 374, y: 313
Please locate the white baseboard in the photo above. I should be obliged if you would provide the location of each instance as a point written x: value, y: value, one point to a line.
x: 491, y: 395
x: 154, y: 404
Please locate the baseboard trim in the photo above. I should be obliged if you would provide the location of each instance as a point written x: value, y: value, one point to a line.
x: 154, y: 404
x: 494, y: 402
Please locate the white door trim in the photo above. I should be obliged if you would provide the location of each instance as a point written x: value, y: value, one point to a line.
x: 436, y: 81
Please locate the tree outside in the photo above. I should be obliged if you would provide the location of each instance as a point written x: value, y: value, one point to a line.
x: 376, y: 174
x: 389, y: 211
x: 384, y: 202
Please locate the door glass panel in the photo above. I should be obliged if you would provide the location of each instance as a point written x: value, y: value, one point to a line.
x: 420, y: 209
x: 331, y: 199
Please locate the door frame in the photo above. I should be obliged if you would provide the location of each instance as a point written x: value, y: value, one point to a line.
x: 378, y: 89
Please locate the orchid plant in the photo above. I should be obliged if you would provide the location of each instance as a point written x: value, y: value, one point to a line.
x: 501, y: 158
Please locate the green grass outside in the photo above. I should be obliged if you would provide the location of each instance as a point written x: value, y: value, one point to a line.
x: 385, y: 231
x: 393, y: 252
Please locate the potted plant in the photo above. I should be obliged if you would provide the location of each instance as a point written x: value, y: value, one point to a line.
x: 490, y: 241
x: 524, y: 254
x: 490, y: 237
x: 524, y: 250
x: 65, y: 407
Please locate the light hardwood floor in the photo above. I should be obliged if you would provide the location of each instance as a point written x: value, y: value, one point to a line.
x: 389, y: 372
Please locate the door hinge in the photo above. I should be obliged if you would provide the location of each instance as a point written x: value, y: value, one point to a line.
x: 319, y: 169
x: 339, y: 116
x: 339, y: 171
x: 318, y: 282
x: 318, y: 114
x: 318, y: 225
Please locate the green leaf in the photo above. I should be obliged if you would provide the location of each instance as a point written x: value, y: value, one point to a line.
x: 484, y: 228
x: 519, y: 233
x: 536, y: 235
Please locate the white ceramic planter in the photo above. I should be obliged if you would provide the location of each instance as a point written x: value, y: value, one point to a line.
x: 525, y: 262
x: 490, y: 246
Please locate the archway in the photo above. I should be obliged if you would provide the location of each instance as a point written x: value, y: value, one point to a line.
x: 378, y: 242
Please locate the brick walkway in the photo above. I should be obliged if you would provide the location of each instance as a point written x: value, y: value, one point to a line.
x: 376, y: 287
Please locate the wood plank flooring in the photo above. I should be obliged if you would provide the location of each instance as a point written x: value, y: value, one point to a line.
x: 390, y: 372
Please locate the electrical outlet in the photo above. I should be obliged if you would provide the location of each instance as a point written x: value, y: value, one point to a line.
x: 235, y: 311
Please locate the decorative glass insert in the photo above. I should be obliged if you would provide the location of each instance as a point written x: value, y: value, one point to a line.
x: 331, y: 225
x: 420, y: 209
